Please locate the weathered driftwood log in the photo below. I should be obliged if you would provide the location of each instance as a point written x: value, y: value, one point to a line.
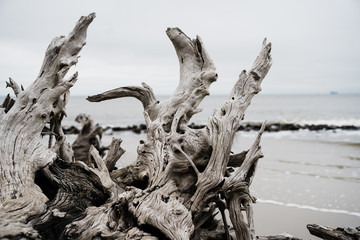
x: 21, y: 153
x: 334, y: 234
x: 179, y: 179
x: 183, y: 169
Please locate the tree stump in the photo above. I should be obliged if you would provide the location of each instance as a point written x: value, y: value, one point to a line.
x: 172, y: 190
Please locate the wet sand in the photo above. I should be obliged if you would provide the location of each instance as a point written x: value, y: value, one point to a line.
x: 273, y: 219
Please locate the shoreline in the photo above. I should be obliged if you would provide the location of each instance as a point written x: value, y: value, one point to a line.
x: 247, y: 126
x: 307, y: 207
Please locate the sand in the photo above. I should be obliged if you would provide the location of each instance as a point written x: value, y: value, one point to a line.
x: 272, y: 219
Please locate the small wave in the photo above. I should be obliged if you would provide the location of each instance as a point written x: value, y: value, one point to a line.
x: 290, y: 126
x: 308, y: 174
x: 334, y: 122
x: 309, y: 207
x: 318, y: 164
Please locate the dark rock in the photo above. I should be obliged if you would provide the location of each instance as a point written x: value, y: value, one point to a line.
x: 249, y: 126
x: 349, y: 127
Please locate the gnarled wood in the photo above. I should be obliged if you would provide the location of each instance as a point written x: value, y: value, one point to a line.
x: 223, y: 125
x: 21, y: 153
x: 173, y: 188
x: 7, y: 104
x: 114, y: 154
x: 144, y: 94
x: 14, y: 86
x: 90, y: 134
x: 183, y: 169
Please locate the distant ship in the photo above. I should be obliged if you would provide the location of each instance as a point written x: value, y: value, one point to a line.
x: 334, y: 93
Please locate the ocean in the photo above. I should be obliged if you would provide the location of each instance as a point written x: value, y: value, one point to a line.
x: 303, y: 109
x: 305, y: 176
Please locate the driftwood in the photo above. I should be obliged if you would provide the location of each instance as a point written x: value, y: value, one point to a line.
x: 328, y: 233
x: 283, y: 236
x: 21, y: 153
x: 90, y: 134
x: 181, y: 178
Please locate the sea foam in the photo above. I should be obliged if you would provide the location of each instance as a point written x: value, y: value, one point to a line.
x: 309, y: 207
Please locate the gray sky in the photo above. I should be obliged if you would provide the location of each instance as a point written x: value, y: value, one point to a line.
x: 316, y: 43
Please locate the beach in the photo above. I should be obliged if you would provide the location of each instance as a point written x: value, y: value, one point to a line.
x: 273, y: 219
x: 306, y: 180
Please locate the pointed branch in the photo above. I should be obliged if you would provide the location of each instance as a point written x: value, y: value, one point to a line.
x: 249, y: 84
x: 144, y: 94
x: 193, y: 58
x: 17, y: 90
x: 114, y: 154
x: 197, y: 72
x: 243, y: 172
x: 225, y: 122
x: 100, y: 170
x: 61, y: 88
x: 61, y: 55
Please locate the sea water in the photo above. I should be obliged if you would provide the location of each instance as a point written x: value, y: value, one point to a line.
x: 302, y: 109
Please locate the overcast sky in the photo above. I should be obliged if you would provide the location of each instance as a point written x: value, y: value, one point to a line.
x: 316, y: 43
